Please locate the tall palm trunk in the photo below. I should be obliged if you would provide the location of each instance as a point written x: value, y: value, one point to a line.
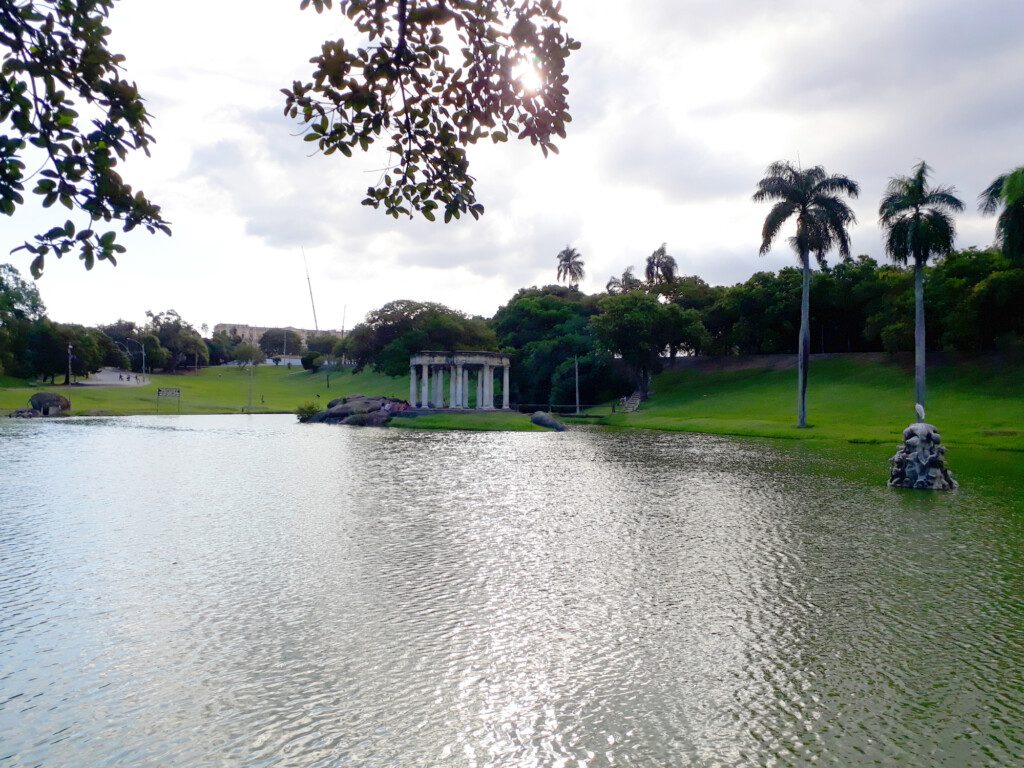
x: 804, y: 351
x: 919, y: 363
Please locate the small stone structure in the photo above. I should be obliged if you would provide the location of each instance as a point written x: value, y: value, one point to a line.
x: 49, y: 404
x: 921, y: 461
x: 426, y: 379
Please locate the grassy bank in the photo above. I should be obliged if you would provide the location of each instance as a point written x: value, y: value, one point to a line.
x: 850, y: 398
x: 215, y: 390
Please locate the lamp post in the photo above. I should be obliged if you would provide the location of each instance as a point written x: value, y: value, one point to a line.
x: 576, y: 364
x: 143, y: 348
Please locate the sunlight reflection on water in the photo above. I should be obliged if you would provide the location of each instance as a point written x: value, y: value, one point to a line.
x: 249, y: 591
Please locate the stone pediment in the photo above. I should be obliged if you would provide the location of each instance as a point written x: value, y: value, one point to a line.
x: 494, y: 359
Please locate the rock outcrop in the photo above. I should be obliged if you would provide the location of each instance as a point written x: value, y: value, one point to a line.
x: 546, y: 420
x: 921, y: 461
x: 359, y: 411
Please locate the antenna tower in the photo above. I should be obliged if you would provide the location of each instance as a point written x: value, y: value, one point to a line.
x: 312, y: 303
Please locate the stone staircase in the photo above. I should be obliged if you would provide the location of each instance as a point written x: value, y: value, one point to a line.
x: 633, y: 403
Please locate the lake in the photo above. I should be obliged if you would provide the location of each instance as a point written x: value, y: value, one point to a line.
x: 248, y: 591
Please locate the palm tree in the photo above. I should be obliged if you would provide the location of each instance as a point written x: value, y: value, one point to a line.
x: 628, y: 282
x: 1007, y: 192
x: 822, y: 219
x: 570, y: 266
x: 919, y: 223
x: 661, y: 268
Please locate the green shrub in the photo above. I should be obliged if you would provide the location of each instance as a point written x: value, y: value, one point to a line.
x: 306, y: 411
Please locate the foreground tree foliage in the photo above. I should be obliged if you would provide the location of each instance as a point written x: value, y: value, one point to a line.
x: 428, y: 79
x: 65, y: 107
x: 918, y: 221
x: 814, y: 197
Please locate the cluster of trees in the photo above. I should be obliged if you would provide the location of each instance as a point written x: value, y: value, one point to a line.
x: 616, y: 339
x: 169, y: 342
x: 858, y: 304
x: 33, y: 345
x: 389, y: 335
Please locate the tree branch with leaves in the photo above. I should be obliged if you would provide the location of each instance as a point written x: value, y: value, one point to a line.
x: 401, y: 85
x: 63, y: 101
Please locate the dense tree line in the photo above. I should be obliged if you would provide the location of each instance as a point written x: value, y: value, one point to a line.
x: 33, y: 345
x: 618, y: 338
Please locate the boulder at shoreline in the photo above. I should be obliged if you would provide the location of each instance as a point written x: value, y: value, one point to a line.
x: 546, y: 420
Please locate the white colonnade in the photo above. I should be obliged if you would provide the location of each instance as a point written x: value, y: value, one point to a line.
x: 428, y: 372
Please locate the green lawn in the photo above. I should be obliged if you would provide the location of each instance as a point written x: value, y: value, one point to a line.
x: 215, y: 390
x: 850, y: 398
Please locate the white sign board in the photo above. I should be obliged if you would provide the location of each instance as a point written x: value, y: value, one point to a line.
x: 168, y: 392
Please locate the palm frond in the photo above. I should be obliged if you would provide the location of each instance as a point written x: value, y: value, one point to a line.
x: 990, y: 200
x: 898, y: 240
x: 780, y: 182
x: 894, y: 203
x: 777, y: 216
x: 836, y: 184
x: 943, y: 197
x: 1010, y: 232
x: 941, y: 232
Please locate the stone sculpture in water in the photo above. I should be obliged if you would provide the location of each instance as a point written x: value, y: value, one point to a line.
x: 921, y: 461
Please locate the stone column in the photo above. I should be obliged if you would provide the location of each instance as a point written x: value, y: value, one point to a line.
x: 504, y: 387
x: 438, y: 394
x: 457, y: 378
x: 479, y: 388
x: 488, y: 387
x: 465, y: 387
x: 452, y: 402
x: 425, y: 386
x: 412, y: 385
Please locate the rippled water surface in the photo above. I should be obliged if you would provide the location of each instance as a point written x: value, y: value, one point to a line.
x: 246, y: 591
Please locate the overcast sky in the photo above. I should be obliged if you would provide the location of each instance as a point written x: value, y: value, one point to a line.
x: 677, y: 109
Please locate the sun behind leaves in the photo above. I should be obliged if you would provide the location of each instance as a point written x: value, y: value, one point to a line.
x: 402, y: 84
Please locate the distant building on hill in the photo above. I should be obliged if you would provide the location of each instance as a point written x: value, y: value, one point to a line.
x: 253, y: 333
